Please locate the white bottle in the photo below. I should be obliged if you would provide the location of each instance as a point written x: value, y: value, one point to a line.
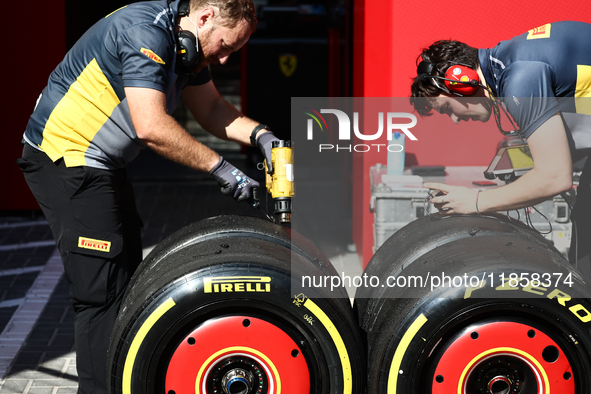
x: 396, y: 154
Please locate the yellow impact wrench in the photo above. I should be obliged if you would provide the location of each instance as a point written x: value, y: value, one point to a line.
x: 280, y: 183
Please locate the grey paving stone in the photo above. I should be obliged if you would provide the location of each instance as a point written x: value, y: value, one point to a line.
x: 53, y: 383
x: 62, y: 342
x: 71, y: 370
x: 5, y: 316
x: 16, y: 286
x: 66, y: 390
x: 41, y: 390
x: 29, y: 358
x: 41, y: 333
x: 15, y: 386
x: 56, y: 364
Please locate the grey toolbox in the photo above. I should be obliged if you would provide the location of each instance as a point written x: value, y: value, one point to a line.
x: 395, y: 202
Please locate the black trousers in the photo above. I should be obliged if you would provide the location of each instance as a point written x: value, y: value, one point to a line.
x: 580, y: 249
x: 93, y: 218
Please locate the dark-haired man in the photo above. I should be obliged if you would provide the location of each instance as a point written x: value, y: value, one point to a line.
x: 111, y: 96
x: 543, y: 79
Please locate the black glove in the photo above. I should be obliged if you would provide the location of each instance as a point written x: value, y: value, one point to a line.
x: 265, y: 142
x: 233, y: 182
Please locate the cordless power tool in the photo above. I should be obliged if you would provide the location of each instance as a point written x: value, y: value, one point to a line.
x: 280, y: 183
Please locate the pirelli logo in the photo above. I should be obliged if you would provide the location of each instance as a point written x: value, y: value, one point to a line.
x: 237, y: 284
x: 539, y: 32
x: 94, y: 244
x: 149, y: 53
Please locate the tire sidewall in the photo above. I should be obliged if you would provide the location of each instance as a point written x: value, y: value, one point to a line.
x: 443, y: 317
x: 277, y: 304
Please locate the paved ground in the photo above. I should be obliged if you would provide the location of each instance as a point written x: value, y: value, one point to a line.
x: 36, y: 319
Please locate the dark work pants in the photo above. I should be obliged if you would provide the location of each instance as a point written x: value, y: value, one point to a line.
x: 93, y: 218
x: 580, y: 249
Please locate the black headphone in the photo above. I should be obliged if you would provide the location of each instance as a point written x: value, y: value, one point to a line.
x: 460, y: 79
x: 188, y: 53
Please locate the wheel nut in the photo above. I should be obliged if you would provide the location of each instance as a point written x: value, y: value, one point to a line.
x: 237, y: 381
x: 499, y: 385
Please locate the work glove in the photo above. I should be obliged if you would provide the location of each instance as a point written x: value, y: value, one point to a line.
x: 265, y: 142
x: 235, y: 183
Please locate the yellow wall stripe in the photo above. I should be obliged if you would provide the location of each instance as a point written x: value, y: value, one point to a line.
x: 79, y: 115
x: 338, y: 341
x: 401, y: 350
x: 583, y: 90
x: 137, y: 342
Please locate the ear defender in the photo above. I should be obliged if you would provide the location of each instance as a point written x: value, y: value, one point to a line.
x: 187, y: 43
x: 187, y: 49
x: 461, y: 79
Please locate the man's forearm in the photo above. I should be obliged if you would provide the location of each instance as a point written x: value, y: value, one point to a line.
x: 218, y: 116
x: 226, y: 122
x: 161, y: 133
x: 551, y: 175
x: 170, y: 140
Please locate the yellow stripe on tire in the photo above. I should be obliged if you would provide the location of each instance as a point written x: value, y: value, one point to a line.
x: 338, y: 341
x: 137, y: 342
x: 401, y: 351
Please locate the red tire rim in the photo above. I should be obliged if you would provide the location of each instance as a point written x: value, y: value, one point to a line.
x: 502, y: 357
x: 237, y: 355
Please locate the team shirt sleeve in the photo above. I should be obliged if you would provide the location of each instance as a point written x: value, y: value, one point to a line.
x: 146, y: 55
x: 529, y: 96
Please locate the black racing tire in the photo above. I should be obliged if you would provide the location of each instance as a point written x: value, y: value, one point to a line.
x: 216, y: 298
x: 235, y: 227
x: 480, y: 336
x: 427, y: 233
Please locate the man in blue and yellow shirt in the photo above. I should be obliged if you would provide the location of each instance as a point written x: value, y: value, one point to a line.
x: 111, y: 96
x: 543, y: 79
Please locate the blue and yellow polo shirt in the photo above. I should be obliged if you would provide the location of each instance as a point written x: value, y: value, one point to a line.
x: 542, y: 72
x: 82, y: 114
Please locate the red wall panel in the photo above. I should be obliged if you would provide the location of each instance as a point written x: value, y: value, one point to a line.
x: 388, y: 37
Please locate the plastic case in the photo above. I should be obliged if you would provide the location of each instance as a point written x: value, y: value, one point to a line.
x: 396, y: 202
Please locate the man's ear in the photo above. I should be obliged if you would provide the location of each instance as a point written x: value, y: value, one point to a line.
x: 205, y: 15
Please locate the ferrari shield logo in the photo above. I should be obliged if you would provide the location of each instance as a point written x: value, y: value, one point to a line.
x: 288, y: 64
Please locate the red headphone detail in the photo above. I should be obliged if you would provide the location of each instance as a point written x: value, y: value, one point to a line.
x: 463, y: 75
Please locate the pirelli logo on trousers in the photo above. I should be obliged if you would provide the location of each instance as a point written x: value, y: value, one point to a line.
x: 94, y: 244
x: 237, y: 284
